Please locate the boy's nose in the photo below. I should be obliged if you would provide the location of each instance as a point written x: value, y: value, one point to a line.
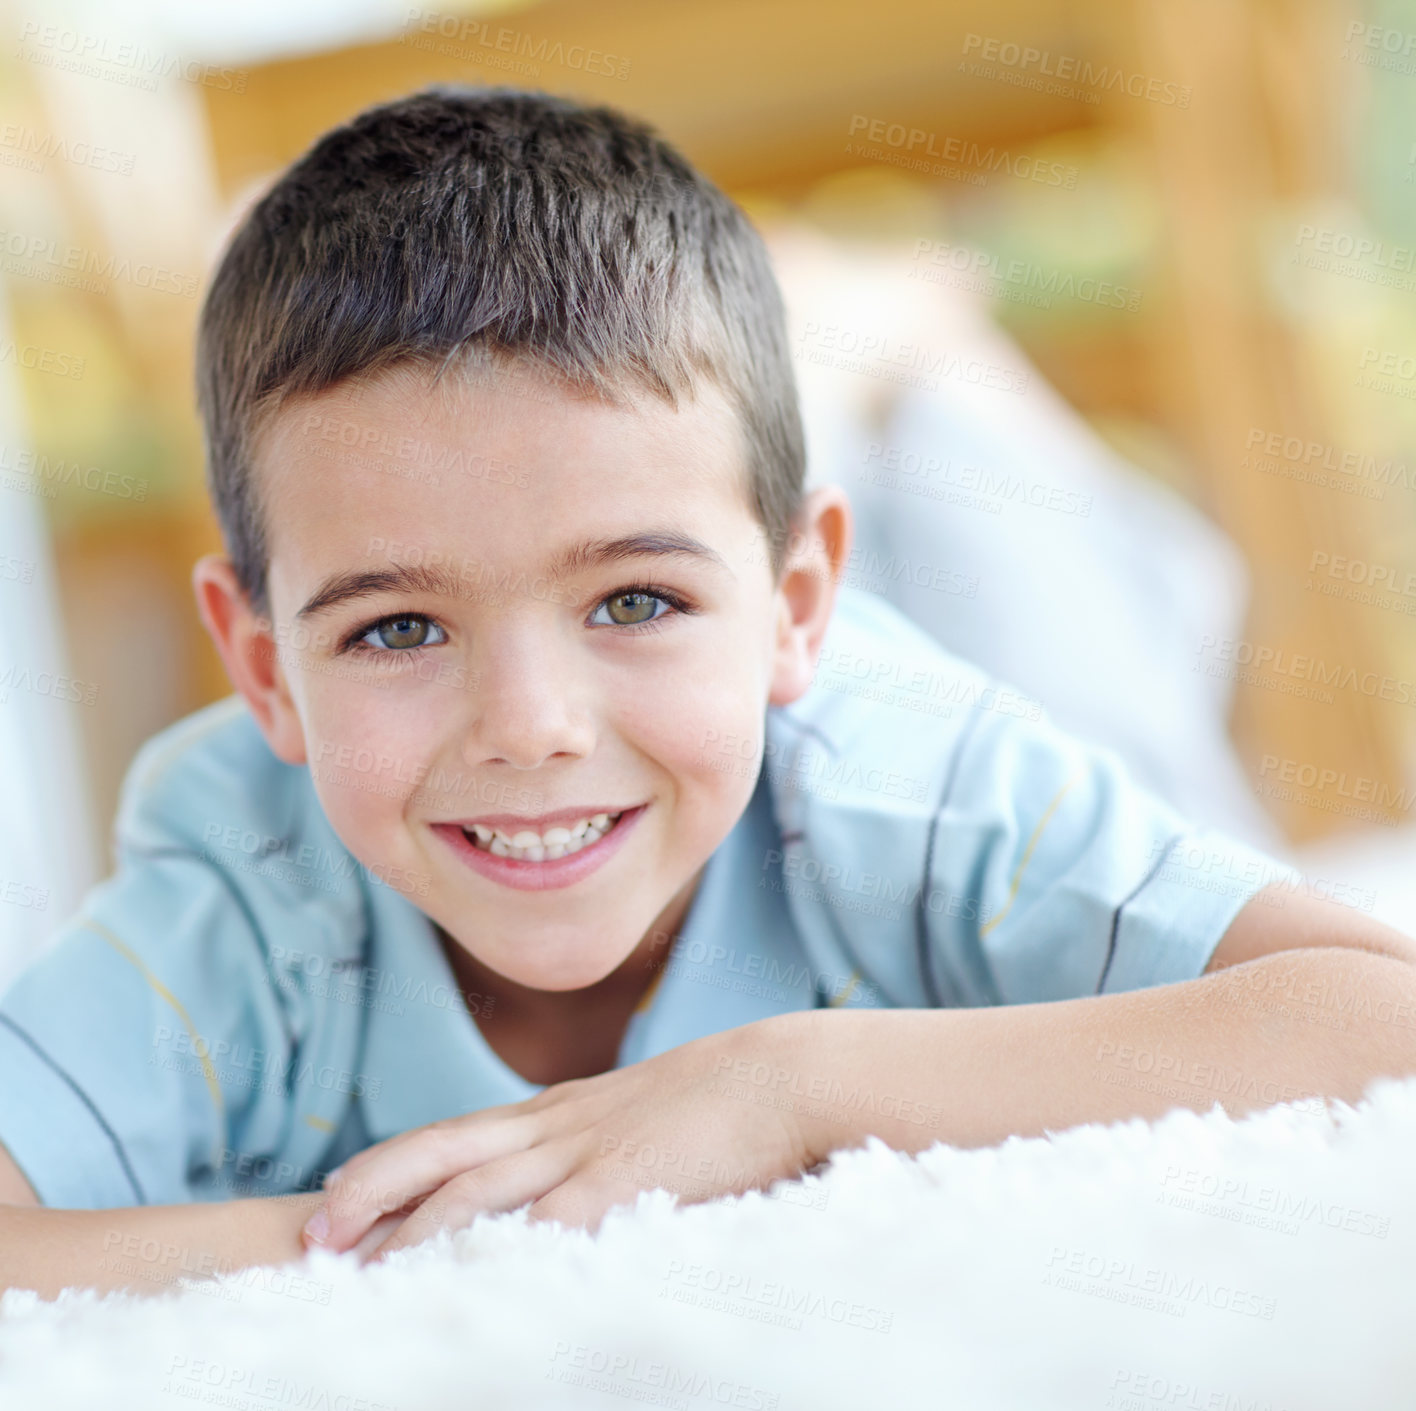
x: 524, y: 707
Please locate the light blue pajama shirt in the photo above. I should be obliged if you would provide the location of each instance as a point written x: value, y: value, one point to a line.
x: 243, y: 1005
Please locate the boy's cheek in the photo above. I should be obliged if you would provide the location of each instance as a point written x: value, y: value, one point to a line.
x: 366, y: 760
x: 716, y: 763
x: 720, y: 725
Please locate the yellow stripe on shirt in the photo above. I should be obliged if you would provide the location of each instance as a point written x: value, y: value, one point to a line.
x: 1027, y: 856
x: 199, y: 1045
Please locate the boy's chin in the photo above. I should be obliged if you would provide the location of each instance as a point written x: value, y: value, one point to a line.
x: 550, y: 966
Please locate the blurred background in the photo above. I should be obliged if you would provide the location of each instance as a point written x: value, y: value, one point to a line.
x: 1103, y: 313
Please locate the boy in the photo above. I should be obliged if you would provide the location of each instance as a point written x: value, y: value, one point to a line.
x: 571, y: 833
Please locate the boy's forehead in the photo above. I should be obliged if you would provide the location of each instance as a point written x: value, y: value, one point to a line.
x: 405, y: 415
x: 509, y: 444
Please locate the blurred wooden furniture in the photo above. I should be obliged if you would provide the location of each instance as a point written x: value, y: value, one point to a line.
x: 763, y: 97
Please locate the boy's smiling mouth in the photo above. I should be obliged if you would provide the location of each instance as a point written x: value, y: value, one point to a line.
x: 557, y: 835
x: 559, y: 851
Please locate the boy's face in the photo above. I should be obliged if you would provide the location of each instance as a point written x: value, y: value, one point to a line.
x: 523, y: 682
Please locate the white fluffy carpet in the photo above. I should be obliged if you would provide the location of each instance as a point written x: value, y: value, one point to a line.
x: 1193, y: 1264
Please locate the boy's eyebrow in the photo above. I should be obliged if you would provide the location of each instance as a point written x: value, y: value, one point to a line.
x: 662, y: 542
x: 338, y: 588
x: 440, y: 580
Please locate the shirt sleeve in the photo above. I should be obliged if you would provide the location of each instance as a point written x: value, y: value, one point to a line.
x: 138, y: 1049
x: 1053, y: 875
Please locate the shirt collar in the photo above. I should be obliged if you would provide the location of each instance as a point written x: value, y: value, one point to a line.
x: 424, y: 1057
x: 738, y: 957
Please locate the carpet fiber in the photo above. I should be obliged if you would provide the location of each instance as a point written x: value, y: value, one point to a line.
x: 1195, y: 1262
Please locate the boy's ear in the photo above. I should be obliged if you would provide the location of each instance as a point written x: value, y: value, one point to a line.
x: 247, y: 649
x: 818, y: 547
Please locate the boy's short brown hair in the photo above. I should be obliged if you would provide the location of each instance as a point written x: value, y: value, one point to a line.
x: 464, y: 221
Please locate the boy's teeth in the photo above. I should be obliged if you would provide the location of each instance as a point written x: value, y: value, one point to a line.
x: 529, y: 846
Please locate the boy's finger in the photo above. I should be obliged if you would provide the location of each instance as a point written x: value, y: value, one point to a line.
x: 580, y: 1204
x: 497, y: 1186
x: 378, y: 1232
x: 388, y: 1178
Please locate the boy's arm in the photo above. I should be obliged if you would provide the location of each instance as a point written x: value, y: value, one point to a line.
x: 144, y: 1248
x: 1302, y: 998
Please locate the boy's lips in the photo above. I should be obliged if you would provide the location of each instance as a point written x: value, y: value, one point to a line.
x: 540, y: 876
x: 512, y: 823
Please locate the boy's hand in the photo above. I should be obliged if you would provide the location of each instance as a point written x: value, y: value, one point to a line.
x: 678, y: 1120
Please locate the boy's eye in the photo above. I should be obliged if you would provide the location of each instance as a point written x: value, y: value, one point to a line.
x: 632, y: 608
x: 402, y: 633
